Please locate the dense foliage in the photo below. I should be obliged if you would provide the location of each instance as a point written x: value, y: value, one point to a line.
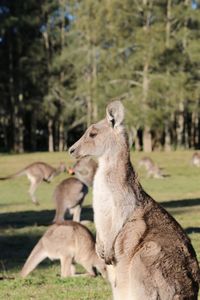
x: 62, y: 61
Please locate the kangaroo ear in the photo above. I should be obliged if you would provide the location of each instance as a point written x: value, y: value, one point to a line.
x: 115, y: 113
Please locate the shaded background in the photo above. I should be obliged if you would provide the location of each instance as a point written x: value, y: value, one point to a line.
x: 62, y: 61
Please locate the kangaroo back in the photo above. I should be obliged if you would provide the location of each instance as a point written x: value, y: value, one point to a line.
x: 68, y: 242
x: 147, y: 162
x: 69, y: 195
x: 196, y: 159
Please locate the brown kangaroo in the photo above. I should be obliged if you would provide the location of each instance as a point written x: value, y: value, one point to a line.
x: 36, y: 173
x: 70, y: 193
x: 151, y: 256
x: 152, y: 169
x: 85, y: 169
x: 67, y: 242
x: 196, y: 159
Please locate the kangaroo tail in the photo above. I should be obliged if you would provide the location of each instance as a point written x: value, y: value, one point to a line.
x: 18, y: 174
x: 37, y: 255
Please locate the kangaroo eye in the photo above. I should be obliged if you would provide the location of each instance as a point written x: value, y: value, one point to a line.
x: 92, y: 134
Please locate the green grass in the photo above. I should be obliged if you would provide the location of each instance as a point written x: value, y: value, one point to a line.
x: 22, y: 223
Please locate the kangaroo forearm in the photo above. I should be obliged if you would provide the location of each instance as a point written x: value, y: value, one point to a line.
x: 106, y: 236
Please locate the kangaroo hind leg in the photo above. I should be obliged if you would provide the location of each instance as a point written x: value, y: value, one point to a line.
x: 76, y: 211
x: 34, y: 185
x: 66, y: 266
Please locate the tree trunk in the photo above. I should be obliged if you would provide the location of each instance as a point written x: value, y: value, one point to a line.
x: 11, y: 94
x: 16, y: 128
x: 66, y: 140
x: 167, y: 143
x: 180, y: 125
x: 147, y: 142
x: 61, y: 137
x: 21, y: 136
x: 94, y: 85
x: 131, y: 136
x: 62, y: 27
x: 185, y: 32
x: 50, y: 136
x: 89, y: 110
x: 198, y: 133
x: 17, y: 121
x: 138, y: 145
x: 33, y: 142
x: 195, y: 129
x: 168, y: 24
x: 186, y: 132
x: 4, y: 123
x: 147, y: 139
x: 18, y: 133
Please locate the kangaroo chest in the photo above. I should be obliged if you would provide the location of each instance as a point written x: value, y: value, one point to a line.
x: 102, y: 194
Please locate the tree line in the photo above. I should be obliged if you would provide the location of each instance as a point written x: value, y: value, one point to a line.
x: 62, y: 61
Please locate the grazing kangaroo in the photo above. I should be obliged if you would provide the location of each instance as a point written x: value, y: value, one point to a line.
x: 152, y: 169
x: 71, y: 192
x: 36, y: 173
x: 68, y: 242
x: 196, y: 159
x: 151, y: 256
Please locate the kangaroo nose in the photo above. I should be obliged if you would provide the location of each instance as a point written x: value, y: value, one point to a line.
x: 71, y: 150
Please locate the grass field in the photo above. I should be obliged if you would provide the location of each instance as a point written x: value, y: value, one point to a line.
x: 22, y: 223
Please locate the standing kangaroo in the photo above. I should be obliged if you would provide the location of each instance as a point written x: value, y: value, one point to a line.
x: 70, y: 193
x: 36, y: 173
x: 152, y: 169
x: 196, y: 159
x: 68, y: 242
x: 151, y: 256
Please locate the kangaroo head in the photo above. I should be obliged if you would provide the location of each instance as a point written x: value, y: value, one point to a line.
x: 102, y: 136
x: 100, y: 265
x: 81, y: 164
x: 85, y: 165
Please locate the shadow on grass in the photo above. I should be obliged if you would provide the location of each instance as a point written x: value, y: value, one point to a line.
x: 45, y: 217
x: 180, y: 203
x: 15, y: 248
x: 40, y: 218
x: 14, y: 251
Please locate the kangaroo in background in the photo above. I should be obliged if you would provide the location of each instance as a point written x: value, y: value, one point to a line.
x: 152, y: 169
x: 70, y: 193
x: 84, y: 169
x: 36, y: 173
x: 196, y: 159
x: 149, y: 254
x: 67, y: 242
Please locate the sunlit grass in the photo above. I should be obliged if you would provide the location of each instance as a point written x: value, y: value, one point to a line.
x: 22, y: 223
